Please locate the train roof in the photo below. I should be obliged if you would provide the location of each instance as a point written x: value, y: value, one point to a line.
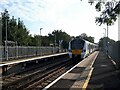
x: 84, y: 40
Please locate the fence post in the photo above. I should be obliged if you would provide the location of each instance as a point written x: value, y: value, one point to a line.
x: 16, y: 46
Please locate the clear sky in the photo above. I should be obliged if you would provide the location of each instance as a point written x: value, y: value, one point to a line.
x: 72, y: 16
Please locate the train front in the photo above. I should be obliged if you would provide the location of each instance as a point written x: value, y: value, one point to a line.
x: 76, y: 48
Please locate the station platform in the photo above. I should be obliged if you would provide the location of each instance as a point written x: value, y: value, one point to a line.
x: 97, y: 71
x: 105, y: 75
x: 8, y: 62
x: 5, y: 64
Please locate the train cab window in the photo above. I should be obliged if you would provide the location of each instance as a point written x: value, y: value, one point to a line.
x: 77, y: 44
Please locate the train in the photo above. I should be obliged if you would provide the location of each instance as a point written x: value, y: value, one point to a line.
x: 80, y: 48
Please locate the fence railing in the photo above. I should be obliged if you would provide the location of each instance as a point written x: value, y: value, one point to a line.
x: 26, y: 51
x: 113, y: 51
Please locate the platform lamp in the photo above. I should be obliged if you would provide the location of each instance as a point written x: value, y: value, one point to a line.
x: 106, y: 30
x: 40, y: 36
x: 6, y: 42
x: 40, y: 40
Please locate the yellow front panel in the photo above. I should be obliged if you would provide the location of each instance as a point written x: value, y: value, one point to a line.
x: 76, y: 51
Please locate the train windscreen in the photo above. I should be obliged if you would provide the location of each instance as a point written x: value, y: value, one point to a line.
x: 77, y: 44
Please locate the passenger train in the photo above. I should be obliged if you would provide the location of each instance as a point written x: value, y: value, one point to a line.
x: 80, y: 48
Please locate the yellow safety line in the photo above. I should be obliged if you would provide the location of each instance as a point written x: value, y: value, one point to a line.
x: 94, y: 60
x: 87, y: 80
x: 89, y: 75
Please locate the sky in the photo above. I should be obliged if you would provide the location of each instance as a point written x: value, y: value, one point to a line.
x: 72, y: 16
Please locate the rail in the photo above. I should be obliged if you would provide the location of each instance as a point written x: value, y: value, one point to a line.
x: 38, y: 73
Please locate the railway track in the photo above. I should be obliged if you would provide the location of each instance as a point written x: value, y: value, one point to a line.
x: 49, y: 77
x: 30, y: 69
x: 22, y: 80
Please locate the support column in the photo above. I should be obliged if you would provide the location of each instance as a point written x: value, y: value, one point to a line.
x: 118, y: 27
x: 0, y: 31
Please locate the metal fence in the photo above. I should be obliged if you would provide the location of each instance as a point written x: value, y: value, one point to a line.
x: 26, y: 51
x: 114, y: 52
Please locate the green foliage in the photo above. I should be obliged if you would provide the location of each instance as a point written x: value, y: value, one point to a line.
x: 98, y: 6
x: 16, y: 32
x: 45, y: 41
x: 36, y: 40
x: 109, y: 15
x: 5, y: 19
x: 57, y: 35
x: 88, y: 38
x: 104, y: 41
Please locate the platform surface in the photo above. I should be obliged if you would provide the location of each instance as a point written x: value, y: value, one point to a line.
x: 9, y: 62
x: 75, y: 76
x: 95, y: 72
x: 104, y: 75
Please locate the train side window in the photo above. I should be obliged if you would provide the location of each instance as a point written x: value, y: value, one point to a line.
x: 84, y: 50
x: 69, y: 50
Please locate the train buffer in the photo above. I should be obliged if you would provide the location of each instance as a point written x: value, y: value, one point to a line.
x: 97, y: 71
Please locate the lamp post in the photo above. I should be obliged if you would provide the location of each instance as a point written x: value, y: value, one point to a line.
x: 119, y: 27
x: 6, y: 42
x: 0, y: 31
x: 40, y: 41
x: 40, y: 36
x: 55, y: 40
x: 107, y: 38
x: 1, y: 37
x: 55, y: 43
x: 105, y: 32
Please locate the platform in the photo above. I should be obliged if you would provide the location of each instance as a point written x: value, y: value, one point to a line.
x: 4, y: 65
x: 28, y: 59
x: 97, y: 71
x: 76, y: 76
x: 105, y: 75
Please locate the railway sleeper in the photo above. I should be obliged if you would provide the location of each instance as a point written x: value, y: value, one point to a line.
x: 44, y: 84
x: 39, y: 87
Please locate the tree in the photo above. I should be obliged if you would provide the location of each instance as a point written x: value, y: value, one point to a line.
x: 45, y: 41
x: 5, y: 20
x: 103, y: 42
x: 83, y: 35
x: 58, y: 35
x: 91, y: 39
x: 16, y: 32
x: 109, y: 15
x: 88, y: 38
x: 13, y: 29
x: 36, y: 40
